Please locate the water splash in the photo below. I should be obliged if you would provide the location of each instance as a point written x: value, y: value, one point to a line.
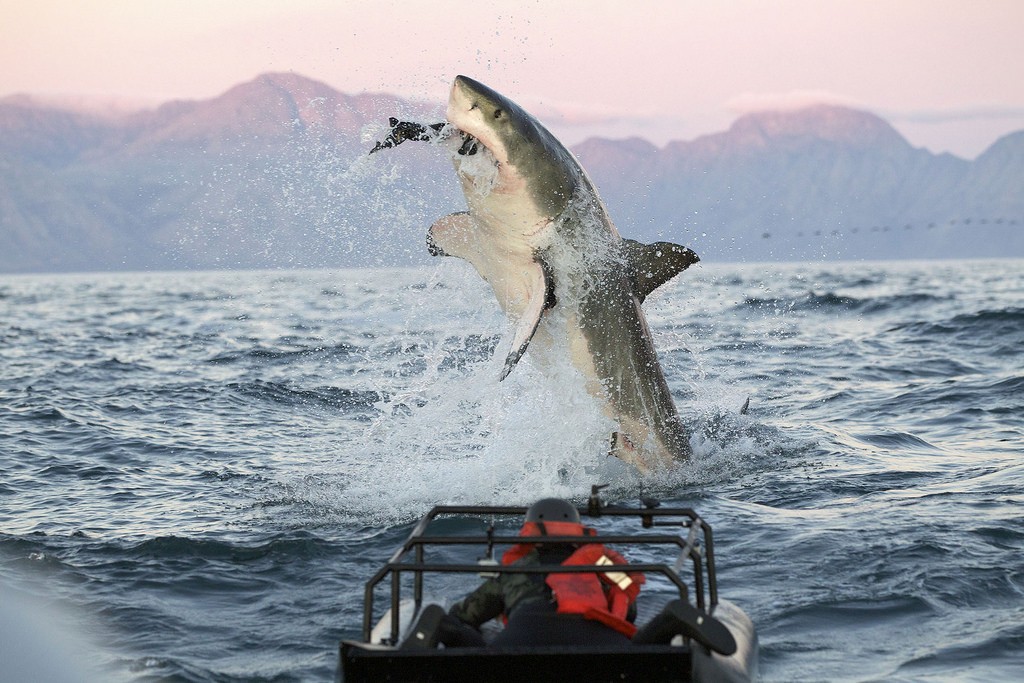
x: 445, y: 430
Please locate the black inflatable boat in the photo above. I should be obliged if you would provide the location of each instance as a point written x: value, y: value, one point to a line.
x: 692, y: 635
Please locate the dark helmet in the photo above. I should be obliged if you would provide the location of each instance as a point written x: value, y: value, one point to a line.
x: 552, y: 510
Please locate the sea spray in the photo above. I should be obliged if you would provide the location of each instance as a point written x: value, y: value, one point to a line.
x: 446, y: 431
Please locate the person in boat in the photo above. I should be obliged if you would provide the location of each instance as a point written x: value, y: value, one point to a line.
x: 549, y: 609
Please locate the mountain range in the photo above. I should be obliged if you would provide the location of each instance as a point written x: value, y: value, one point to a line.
x: 275, y: 173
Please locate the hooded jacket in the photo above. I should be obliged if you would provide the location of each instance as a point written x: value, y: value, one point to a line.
x: 606, y: 597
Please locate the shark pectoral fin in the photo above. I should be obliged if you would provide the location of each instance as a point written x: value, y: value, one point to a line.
x: 449, y: 235
x: 651, y: 265
x: 542, y: 297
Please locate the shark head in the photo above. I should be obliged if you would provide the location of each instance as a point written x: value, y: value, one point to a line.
x: 529, y: 159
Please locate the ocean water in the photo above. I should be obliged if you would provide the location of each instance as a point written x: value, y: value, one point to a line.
x: 199, y: 471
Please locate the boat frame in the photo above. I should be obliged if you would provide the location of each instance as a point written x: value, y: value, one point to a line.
x: 684, y: 660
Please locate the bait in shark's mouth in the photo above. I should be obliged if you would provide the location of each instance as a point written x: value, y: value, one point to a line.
x: 409, y: 130
x: 469, y: 147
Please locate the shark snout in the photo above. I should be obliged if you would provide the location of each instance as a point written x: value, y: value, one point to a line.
x: 472, y: 109
x: 459, y: 86
x: 459, y: 100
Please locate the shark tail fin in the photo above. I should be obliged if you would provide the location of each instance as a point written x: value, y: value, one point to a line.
x: 649, y: 266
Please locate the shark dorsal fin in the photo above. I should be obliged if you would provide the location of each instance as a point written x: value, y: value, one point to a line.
x: 649, y: 266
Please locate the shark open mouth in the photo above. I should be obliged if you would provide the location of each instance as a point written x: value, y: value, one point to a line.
x: 470, y: 145
x: 476, y: 164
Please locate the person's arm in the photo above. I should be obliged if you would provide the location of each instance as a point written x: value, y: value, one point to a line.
x: 483, y: 604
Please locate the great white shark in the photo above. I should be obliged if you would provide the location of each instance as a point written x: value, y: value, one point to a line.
x: 537, y: 231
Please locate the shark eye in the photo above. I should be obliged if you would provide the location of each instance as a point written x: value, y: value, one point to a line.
x: 497, y: 113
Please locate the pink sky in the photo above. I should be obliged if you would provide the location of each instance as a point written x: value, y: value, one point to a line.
x: 949, y: 74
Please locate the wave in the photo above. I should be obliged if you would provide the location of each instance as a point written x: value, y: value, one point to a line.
x: 262, y: 353
x: 898, y: 440
x: 168, y: 548
x: 831, y: 301
x: 331, y: 397
x: 990, y: 323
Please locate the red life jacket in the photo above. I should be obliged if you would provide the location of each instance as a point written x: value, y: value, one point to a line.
x: 604, y: 596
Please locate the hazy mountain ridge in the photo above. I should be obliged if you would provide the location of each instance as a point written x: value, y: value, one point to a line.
x: 818, y: 183
x: 274, y: 173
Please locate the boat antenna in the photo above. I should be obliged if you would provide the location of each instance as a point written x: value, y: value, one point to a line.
x: 594, y: 503
x: 488, y: 559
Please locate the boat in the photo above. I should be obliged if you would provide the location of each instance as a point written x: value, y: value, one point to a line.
x: 693, y: 636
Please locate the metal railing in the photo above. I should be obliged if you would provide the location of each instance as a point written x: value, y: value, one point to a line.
x: 694, y: 542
